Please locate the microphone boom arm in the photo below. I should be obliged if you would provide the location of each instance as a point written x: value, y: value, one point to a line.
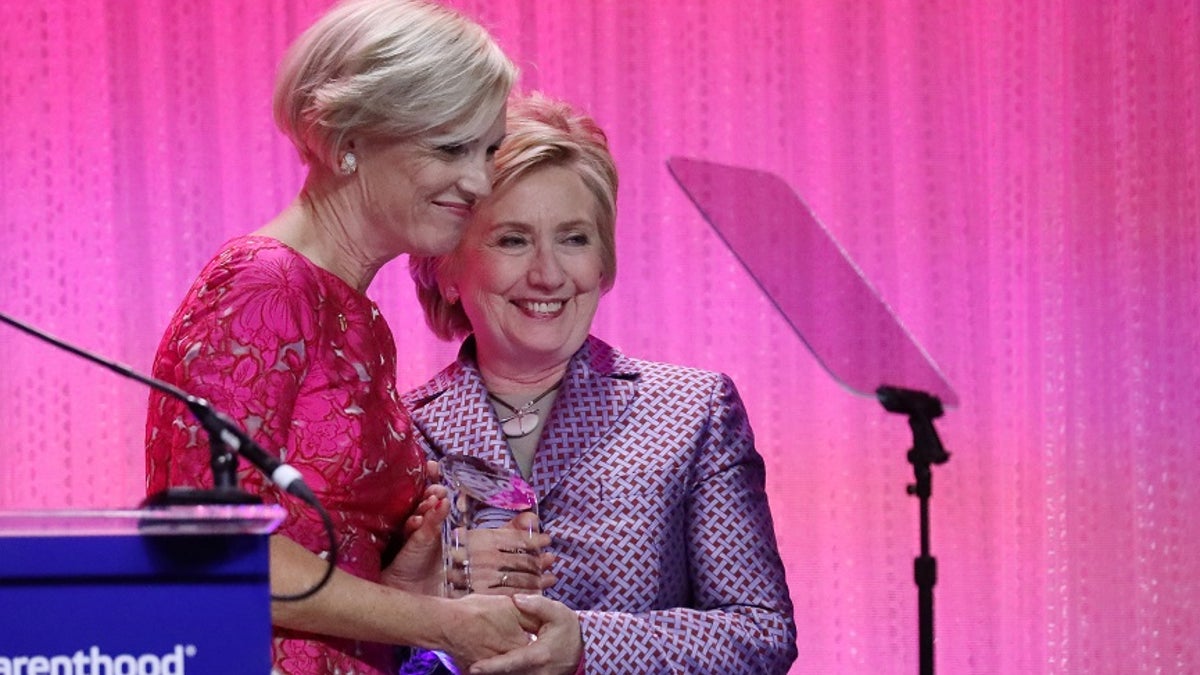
x: 225, y: 438
x: 224, y: 434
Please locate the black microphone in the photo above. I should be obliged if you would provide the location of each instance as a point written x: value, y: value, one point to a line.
x: 219, y: 427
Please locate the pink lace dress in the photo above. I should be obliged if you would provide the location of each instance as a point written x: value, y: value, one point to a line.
x: 307, y: 365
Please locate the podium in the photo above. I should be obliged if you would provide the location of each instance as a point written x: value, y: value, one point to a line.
x: 164, y: 591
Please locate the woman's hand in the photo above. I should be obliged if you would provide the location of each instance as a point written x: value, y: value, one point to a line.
x: 417, y: 568
x: 484, y: 627
x: 557, y: 649
x: 508, y: 560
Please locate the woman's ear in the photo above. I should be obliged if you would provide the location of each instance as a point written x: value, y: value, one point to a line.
x: 447, y: 281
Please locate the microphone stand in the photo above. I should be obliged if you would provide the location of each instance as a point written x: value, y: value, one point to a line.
x: 927, y: 450
x: 225, y: 488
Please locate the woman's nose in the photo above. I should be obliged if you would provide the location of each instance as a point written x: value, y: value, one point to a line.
x: 477, y: 176
x: 545, y: 270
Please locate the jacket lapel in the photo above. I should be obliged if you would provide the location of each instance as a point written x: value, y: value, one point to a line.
x: 454, y: 414
x: 599, y: 386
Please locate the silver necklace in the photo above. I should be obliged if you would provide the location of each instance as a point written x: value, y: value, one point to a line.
x: 524, y: 419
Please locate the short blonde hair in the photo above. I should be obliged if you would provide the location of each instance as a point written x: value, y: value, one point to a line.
x: 390, y: 69
x: 541, y: 132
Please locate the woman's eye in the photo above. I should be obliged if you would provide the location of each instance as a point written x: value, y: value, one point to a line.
x: 510, y: 241
x: 577, y: 239
x: 453, y: 149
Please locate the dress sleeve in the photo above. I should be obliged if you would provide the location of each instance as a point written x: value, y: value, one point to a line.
x: 242, y: 341
x: 740, y: 619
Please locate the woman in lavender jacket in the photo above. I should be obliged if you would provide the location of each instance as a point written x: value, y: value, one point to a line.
x: 646, y: 473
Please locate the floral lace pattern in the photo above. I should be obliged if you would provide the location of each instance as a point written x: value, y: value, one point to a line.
x: 306, y: 364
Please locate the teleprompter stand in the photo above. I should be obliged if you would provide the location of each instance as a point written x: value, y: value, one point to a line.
x: 926, y: 451
x: 836, y: 313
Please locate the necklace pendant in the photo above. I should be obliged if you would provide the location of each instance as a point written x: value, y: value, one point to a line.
x: 521, y: 424
x: 525, y: 419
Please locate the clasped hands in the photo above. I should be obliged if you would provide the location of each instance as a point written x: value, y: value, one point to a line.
x: 509, y: 627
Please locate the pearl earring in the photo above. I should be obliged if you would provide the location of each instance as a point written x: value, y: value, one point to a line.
x: 349, y: 164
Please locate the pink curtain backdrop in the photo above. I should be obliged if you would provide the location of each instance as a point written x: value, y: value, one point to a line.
x: 1019, y: 180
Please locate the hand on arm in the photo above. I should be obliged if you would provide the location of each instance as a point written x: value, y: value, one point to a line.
x: 470, y: 629
x: 557, y: 650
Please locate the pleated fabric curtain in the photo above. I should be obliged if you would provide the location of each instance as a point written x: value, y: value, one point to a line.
x: 1018, y: 181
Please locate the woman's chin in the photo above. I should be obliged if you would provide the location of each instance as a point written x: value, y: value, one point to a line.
x: 432, y: 248
x: 550, y: 350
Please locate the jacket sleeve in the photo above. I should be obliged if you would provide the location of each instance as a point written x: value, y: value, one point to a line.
x: 740, y: 616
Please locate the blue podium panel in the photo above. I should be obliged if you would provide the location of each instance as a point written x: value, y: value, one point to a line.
x: 189, y: 595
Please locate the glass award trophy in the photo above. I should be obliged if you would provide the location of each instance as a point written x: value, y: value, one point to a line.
x: 482, y: 496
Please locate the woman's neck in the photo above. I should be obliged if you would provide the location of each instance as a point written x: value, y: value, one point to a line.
x: 519, y: 381
x: 327, y: 233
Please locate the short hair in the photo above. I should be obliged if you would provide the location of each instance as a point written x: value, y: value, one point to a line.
x: 541, y: 132
x: 390, y: 69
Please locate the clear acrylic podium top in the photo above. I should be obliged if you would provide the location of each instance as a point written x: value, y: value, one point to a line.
x: 203, y: 519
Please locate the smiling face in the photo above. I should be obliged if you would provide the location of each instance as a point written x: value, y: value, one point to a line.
x: 529, y: 272
x: 418, y: 195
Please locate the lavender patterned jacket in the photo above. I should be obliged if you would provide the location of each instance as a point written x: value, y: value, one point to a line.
x: 649, y: 484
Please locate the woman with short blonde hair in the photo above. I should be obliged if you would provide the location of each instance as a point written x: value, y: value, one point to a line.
x: 397, y: 107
